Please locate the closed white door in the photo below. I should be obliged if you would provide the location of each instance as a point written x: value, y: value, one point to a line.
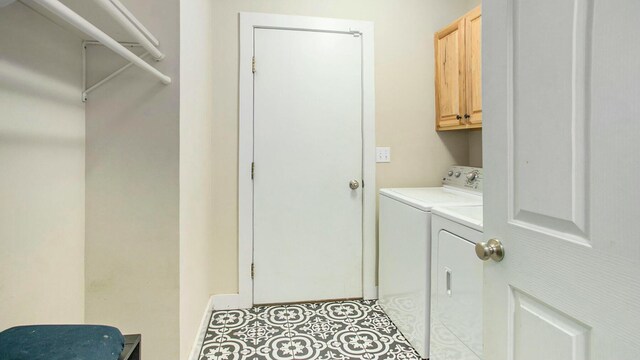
x: 562, y: 90
x: 307, y: 150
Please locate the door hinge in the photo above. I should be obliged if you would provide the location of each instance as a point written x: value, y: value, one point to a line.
x: 253, y: 64
x: 253, y: 169
x: 253, y: 270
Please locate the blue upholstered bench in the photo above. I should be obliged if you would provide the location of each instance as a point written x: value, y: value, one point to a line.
x: 68, y: 342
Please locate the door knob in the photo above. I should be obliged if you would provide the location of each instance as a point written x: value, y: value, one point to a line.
x: 492, y: 249
x: 354, y: 184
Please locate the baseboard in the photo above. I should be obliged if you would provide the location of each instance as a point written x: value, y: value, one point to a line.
x: 204, y: 324
x: 370, y: 293
x: 231, y: 302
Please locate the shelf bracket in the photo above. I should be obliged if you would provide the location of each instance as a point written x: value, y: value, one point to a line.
x: 80, y: 23
x: 87, y: 90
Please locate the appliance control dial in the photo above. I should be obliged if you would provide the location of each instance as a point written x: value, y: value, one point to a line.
x: 465, y: 177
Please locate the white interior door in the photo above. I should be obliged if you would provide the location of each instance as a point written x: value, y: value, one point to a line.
x: 562, y: 85
x: 307, y: 149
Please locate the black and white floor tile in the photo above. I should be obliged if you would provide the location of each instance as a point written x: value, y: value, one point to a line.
x: 332, y: 330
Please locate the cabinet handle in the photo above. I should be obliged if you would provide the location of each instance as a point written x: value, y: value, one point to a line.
x: 466, y: 116
x: 458, y: 117
x: 448, y: 274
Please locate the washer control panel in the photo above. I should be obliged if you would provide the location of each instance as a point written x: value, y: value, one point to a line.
x: 465, y: 177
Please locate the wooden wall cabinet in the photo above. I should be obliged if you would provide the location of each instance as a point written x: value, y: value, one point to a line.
x: 458, y: 60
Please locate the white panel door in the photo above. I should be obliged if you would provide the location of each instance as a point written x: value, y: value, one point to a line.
x: 562, y: 90
x: 307, y: 149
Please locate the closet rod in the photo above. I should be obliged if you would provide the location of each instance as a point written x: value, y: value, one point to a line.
x: 122, y: 19
x: 83, y: 25
x: 135, y: 22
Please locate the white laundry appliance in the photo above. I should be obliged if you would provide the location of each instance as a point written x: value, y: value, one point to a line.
x: 405, y: 248
x: 456, y: 284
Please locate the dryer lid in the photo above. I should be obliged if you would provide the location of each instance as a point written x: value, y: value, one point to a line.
x: 426, y: 198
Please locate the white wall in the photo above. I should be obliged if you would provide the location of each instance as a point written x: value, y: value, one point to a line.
x: 132, y: 179
x: 42, y: 191
x: 197, y: 256
x: 405, y: 113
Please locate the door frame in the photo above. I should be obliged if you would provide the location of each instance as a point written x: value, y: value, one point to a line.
x: 249, y: 22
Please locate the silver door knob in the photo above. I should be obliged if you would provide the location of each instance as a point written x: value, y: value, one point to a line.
x: 354, y: 184
x: 492, y: 249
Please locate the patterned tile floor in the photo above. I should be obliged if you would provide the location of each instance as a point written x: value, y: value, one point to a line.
x: 333, y: 330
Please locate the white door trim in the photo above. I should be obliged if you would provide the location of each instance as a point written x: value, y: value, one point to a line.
x: 248, y: 22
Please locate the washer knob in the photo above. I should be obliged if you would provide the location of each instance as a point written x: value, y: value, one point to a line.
x: 472, y: 176
x: 458, y: 173
x: 450, y: 173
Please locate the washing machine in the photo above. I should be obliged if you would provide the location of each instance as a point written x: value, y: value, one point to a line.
x: 405, y: 248
x: 456, y: 284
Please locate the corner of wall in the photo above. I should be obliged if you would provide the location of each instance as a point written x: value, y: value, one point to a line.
x: 475, y: 148
x: 196, y: 171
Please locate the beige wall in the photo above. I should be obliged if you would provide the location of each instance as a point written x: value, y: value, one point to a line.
x: 404, y: 78
x: 41, y: 171
x: 197, y: 256
x: 132, y: 180
x: 475, y: 137
x: 475, y: 148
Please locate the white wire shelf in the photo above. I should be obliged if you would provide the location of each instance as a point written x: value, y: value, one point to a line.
x: 115, y: 19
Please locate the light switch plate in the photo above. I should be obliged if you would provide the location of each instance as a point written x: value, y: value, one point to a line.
x: 383, y: 154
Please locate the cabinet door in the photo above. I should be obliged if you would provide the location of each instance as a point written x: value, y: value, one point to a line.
x: 450, y: 76
x: 473, y: 47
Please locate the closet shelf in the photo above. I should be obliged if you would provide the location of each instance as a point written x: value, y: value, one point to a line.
x: 119, y: 20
